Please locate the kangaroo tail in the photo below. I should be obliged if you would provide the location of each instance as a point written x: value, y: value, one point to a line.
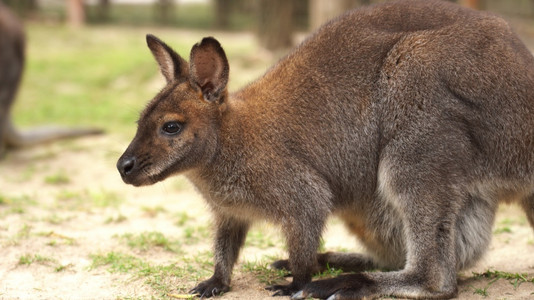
x: 17, y: 139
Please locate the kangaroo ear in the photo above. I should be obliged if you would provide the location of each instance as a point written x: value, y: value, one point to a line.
x: 172, y: 66
x: 209, y: 68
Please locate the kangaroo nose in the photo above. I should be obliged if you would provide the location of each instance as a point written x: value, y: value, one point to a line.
x: 126, y: 165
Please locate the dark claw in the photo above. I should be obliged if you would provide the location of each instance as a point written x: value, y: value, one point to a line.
x: 210, y: 288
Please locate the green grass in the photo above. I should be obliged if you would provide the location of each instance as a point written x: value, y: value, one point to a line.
x: 162, y: 278
x: 504, y: 229
x: 87, y: 199
x: 116, y: 219
x: 153, y: 211
x: 92, y: 77
x: 147, y: 240
x: 15, y: 204
x: 481, y: 291
x: 54, y: 237
x: 182, y: 218
x: 58, y: 178
x: 265, y: 274
x: 103, y: 76
x: 196, y: 233
x: 28, y: 259
x: 260, y: 239
x: 515, y: 279
x: 328, y: 273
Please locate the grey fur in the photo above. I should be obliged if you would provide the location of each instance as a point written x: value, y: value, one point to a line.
x: 410, y: 120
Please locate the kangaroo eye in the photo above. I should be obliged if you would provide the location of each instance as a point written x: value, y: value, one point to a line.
x: 171, y: 128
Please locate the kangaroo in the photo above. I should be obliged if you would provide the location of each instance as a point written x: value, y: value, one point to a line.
x: 12, y: 45
x: 410, y: 120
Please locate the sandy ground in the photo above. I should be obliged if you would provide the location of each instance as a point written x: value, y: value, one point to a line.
x: 35, y: 219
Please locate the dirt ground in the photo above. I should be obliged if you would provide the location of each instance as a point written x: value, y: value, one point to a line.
x: 60, y: 233
x: 62, y: 205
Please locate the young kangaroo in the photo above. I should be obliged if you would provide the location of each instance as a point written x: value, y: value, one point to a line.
x: 12, y: 46
x: 410, y: 120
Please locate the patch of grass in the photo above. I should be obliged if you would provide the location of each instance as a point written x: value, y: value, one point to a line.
x: 519, y: 220
x: 61, y: 268
x: 504, y: 229
x: 264, y: 273
x: 182, y: 219
x: 194, y: 234
x: 55, y: 219
x: 105, y: 198
x: 152, y: 212
x: 258, y: 238
x: 161, y: 278
x: 85, y: 199
x: 25, y: 259
x: 147, y: 240
x: 15, y: 204
x: 199, y: 265
x: 116, y: 219
x: 57, y: 178
x: 117, y: 262
x: 515, y: 279
x: 481, y: 291
x: 328, y: 273
x: 55, y: 236
x: 28, y: 259
x: 24, y: 232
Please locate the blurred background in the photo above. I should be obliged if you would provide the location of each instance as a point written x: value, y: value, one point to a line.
x: 87, y: 61
x: 90, y: 54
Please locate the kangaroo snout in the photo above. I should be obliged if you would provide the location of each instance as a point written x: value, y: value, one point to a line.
x: 126, y: 166
x: 132, y: 172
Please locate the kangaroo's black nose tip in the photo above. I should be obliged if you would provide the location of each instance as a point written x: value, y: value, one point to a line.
x: 126, y: 165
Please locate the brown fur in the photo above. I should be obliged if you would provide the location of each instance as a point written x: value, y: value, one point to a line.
x: 12, y: 45
x: 410, y: 120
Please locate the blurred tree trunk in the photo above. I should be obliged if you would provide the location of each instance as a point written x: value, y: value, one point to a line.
x: 275, y: 24
x: 165, y: 11
x: 75, y: 13
x: 103, y: 10
x: 223, y: 10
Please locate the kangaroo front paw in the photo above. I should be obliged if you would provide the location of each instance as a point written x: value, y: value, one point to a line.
x: 210, y: 288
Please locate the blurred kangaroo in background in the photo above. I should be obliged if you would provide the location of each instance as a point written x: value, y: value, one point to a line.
x: 12, y: 44
x: 410, y: 120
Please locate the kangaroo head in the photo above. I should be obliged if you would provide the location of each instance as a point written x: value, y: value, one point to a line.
x: 178, y: 128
